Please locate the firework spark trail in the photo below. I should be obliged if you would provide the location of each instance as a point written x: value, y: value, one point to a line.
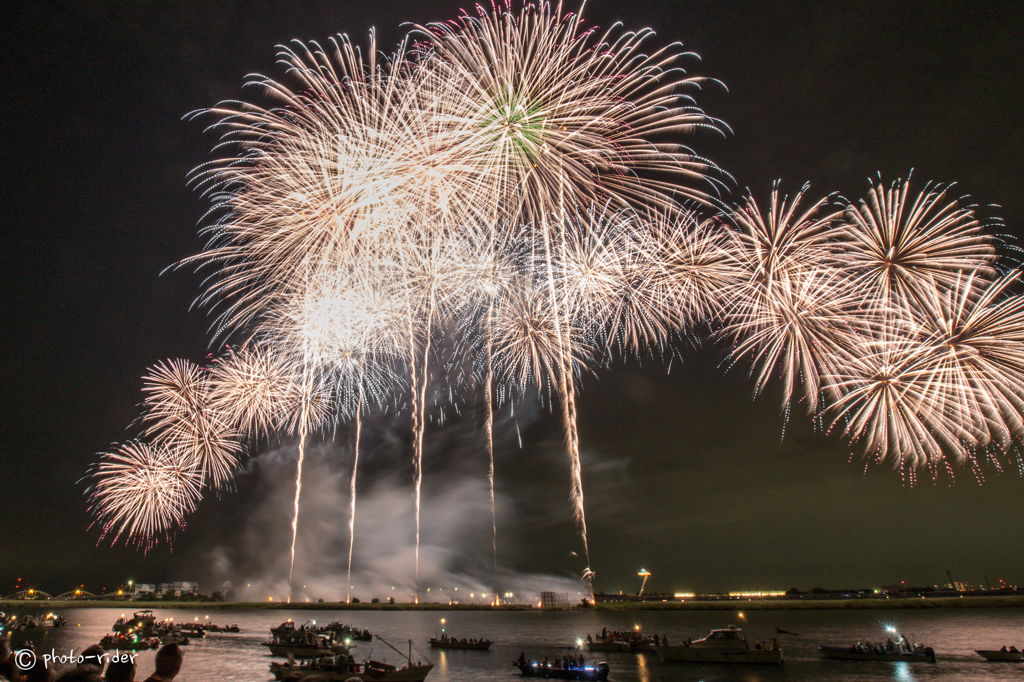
x: 544, y: 105
x: 295, y: 513
x: 549, y: 109
x: 421, y: 424
x: 489, y: 426
x: 568, y: 401
x: 352, y: 489
x: 332, y: 329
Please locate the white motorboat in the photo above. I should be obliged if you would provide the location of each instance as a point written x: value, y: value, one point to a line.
x: 721, y: 646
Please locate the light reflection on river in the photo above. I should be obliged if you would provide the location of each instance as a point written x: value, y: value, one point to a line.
x: 953, y: 633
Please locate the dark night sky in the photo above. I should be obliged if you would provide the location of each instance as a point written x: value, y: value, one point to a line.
x: 685, y: 474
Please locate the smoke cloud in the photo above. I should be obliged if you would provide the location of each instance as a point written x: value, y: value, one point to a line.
x: 245, y: 550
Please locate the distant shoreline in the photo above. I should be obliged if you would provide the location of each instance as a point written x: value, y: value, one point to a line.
x: 1009, y: 601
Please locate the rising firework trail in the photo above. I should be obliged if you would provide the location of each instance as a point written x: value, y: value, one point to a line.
x: 352, y: 488
x: 552, y: 115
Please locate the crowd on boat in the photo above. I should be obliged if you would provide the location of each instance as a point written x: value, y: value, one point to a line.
x: 888, y: 647
x: 94, y: 665
x: 563, y: 663
x: 142, y: 631
x: 29, y: 621
x: 627, y: 636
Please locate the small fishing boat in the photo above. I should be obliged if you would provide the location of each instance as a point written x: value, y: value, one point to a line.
x: 304, y: 644
x: 899, y: 649
x: 446, y: 642
x: 609, y: 646
x: 339, y: 669
x: 590, y: 671
x: 922, y: 654
x: 174, y: 637
x: 283, y: 629
x: 1003, y: 655
x: 342, y: 667
x: 140, y: 620
x: 721, y: 646
x: 192, y: 629
x: 210, y: 627
x: 31, y: 622
x: 341, y: 632
x: 631, y: 641
x: 118, y: 641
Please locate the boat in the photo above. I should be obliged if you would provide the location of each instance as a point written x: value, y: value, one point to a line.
x: 51, y: 620
x: 1004, y: 655
x: 210, y: 627
x: 175, y: 637
x: 618, y: 642
x: 609, y: 646
x: 140, y: 620
x: 780, y: 631
x: 341, y: 632
x: 342, y: 666
x: 721, y: 646
x: 31, y: 622
x: 192, y: 629
x: 283, y: 629
x: 890, y: 651
x: 119, y: 641
x: 447, y: 642
x: 304, y: 644
x: 590, y: 671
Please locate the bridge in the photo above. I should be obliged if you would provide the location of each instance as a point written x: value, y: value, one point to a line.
x: 30, y: 594
x: 75, y: 594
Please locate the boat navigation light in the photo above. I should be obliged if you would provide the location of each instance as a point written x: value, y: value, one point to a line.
x: 579, y: 641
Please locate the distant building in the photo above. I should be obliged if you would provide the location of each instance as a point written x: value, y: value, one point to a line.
x: 139, y: 589
x: 176, y: 588
x: 554, y: 600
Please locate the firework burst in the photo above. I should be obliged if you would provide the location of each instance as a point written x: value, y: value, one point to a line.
x: 178, y: 415
x: 895, y: 248
x: 143, y: 492
x: 786, y: 308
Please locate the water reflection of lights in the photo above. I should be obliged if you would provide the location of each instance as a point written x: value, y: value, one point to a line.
x: 643, y: 674
x: 442, y: 663
x: 903, y: 671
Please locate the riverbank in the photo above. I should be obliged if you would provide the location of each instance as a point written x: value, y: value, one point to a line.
x: 969, y: 602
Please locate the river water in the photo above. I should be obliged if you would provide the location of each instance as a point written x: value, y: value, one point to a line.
x: 953, y: 633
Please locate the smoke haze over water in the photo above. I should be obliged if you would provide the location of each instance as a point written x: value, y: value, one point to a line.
x: 248, y: 545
